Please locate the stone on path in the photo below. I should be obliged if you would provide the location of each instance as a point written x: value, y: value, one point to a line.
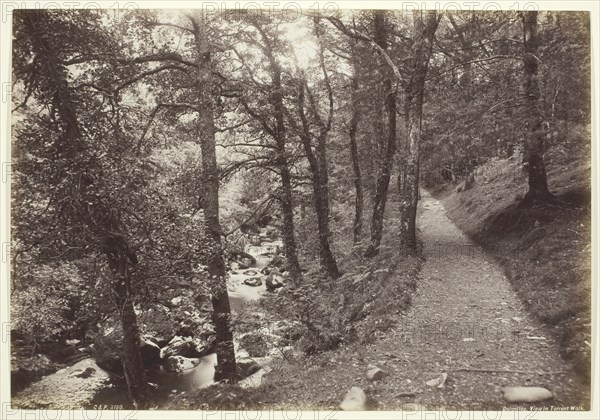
x: 438, y: 381
x: 526, y: 394
x: 355, y: 400
x: 374, y: 373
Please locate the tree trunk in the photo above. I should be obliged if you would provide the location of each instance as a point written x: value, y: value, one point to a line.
x: 358, y: 202
x: 409, y: 187
x: 321, y: 200
x: 119, y: 261
x: 290, y: 247
x: 535, y: 126
x: 383, y: 177
x: 226, y: 363
x: 318, y: 169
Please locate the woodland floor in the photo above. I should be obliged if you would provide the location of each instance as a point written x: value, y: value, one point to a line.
x: 465, y: 321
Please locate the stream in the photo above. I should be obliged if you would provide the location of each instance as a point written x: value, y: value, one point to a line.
x: 104, y: 391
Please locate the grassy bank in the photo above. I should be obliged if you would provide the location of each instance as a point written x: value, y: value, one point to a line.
x: 545, y: 250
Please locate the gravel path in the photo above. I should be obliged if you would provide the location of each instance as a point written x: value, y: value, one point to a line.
x: 466, y: 321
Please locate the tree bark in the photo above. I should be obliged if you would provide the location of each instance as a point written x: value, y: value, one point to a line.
x: 354, y: 119
x: 408, y: 179
x: 119, y: 259
x: 279, y: 134
x: 320, y: 180
x: 290, y: 248
x: 535, y: 131
x: 205, y: 89
x: 384, y: 173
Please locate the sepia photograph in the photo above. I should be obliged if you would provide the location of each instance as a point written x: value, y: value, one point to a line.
x: 298, y: 206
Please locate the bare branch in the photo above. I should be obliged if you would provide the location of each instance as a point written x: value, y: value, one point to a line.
x: 173, y: 25
x: 149, y: 73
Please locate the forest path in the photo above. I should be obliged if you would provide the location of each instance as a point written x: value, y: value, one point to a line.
x: 466, y: 316
x: 465, y: 321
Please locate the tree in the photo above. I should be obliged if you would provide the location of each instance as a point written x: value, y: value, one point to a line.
x: 206, y: 96
x: 408, y: 179
x: 317, y: 155
x: 77, y: 198
x: 383, y: 177
x: 273, y: 124
x: 352, y: 133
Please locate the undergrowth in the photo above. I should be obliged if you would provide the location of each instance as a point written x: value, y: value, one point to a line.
x: 363, y: 303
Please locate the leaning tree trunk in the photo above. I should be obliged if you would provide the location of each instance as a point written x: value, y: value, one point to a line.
x: 534, y: 127
x: 321, y: 202
x: 317, y: 159
x: 319, y: 176
x: 226, y: 363
x: 384, y: 174
x: 72, y: 146
x: 290, y: 248
x: 119, y: 261
x: 409, y: 178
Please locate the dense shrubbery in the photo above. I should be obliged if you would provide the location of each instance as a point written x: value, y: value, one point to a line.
x: 360, y: 305
x: 43, y: 308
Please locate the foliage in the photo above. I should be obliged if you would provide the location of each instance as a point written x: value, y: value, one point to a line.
x: 41, y: 309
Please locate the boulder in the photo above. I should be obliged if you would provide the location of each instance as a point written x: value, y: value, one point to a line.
x: 251, y: 272
x: 292, y: 332
x: 149, y: 351
x: 253, y: 281
x: 86, y: 373
x: 178, y: 346
x: 374, y: 373
x: 277, y: 262
x: 107, y: 353
x: 178, y: 364
x: 355, y: 400
x: 273, y: 282
x: 255, y: 345
x: 58, y: 352
x: 242, y: 258
x: 526, y: 394
x: 277, y: 265
x: 203, y: 346
x: 246, y: 367
x: 185, y: 330
x: 207, y: 329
